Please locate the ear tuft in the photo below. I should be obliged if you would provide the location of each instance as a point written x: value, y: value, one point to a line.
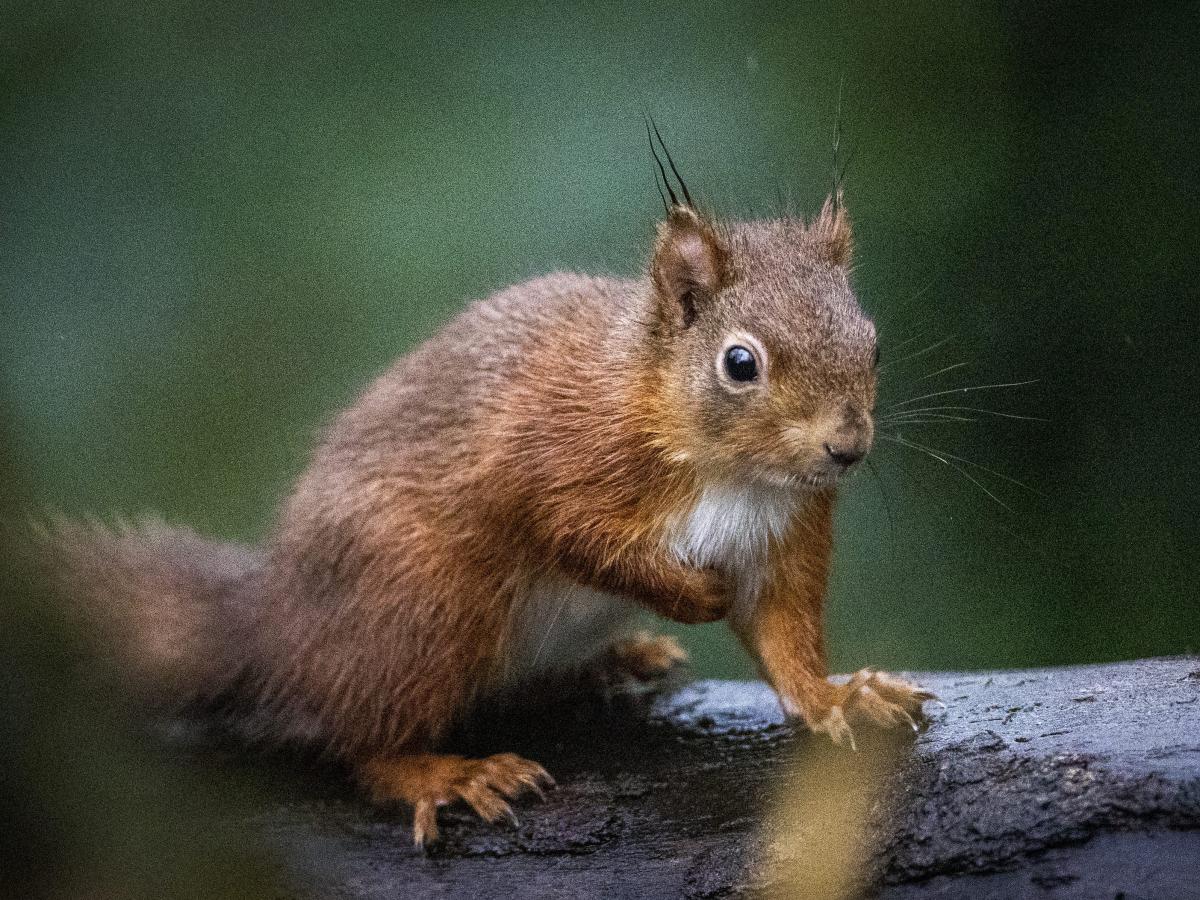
x: 689, y: 265
x: 830, y: 232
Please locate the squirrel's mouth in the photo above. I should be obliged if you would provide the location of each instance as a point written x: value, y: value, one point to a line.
x: 813, y: 479
x: 823, y: 478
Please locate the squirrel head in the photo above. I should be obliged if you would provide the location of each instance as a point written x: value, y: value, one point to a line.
x: 764, y: 362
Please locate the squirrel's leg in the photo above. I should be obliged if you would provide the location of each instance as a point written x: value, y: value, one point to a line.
x: 784, y: 630
x: 647, y: 575
x: 426, y: 781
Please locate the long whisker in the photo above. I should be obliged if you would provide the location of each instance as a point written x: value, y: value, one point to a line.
x: 942, y: 371
x: 964, y: 390
x: 944, y: 461
x: 933, y: 497
x: 887, y: 507
x: 969, y: 462
x: 921, y: 416
x: 917, y: 294
x: 928, y: 349
x: 974, y: 409
x: 909, y: 340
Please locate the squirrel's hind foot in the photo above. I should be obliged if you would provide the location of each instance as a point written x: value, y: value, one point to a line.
x: 426, y: 781
x: 645, y: 656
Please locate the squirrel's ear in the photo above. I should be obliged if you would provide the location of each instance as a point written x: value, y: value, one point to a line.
x: 689, y: 263
x: 830, y: 232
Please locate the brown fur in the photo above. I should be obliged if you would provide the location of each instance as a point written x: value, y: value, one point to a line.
x: 554, y: 433
x: 645, y: 656
x: 173, y: 608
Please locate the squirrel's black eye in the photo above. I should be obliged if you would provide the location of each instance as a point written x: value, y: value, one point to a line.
x: 740, y: 364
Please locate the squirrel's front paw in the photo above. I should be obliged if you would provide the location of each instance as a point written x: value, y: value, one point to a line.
x: 872, y: 698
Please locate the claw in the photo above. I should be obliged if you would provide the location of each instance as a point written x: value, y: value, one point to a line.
x: 531, y: 783
x: 872, y: 697
x: 835, y: 725
x: 489, y: 806
x: 506, y: 813
x: 428, y: 781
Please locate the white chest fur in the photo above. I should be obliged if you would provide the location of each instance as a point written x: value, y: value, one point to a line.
x: 732, y: 527
x: 558, y: 624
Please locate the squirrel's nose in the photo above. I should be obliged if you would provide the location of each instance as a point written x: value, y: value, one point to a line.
x: 850, y: 441
x: 846, y: 455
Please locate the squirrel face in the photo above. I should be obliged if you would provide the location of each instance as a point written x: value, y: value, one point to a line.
x: 767, y: 362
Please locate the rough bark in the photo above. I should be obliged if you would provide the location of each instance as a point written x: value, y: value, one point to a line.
x: 1070, y: 782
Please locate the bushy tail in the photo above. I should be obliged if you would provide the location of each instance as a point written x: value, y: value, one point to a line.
x: 175, y: 609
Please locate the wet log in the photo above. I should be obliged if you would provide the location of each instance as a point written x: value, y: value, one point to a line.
x: 1059, y: 783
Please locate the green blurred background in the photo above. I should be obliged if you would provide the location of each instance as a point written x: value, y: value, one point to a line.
x: 220, y: 221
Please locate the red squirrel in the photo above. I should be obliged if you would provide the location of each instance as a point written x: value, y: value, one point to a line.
x: 501, y: 503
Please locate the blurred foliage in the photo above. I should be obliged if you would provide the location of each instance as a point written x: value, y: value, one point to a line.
x: 220, y: 221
